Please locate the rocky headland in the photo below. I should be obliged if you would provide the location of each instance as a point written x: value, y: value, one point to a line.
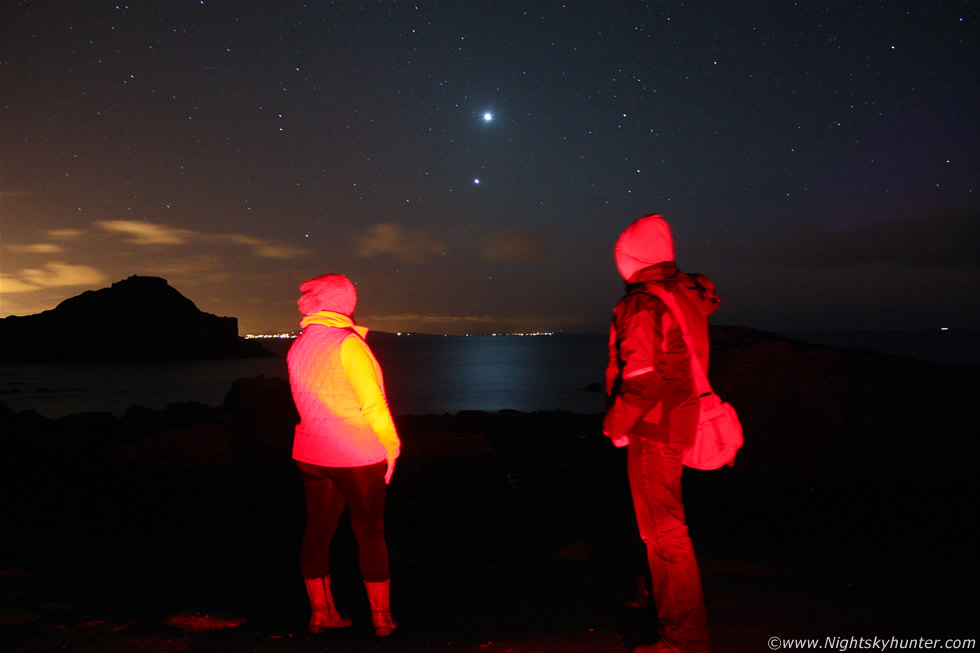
x: 138, y: 319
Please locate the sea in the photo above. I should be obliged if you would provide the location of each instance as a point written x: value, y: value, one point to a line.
x: 423, y: 374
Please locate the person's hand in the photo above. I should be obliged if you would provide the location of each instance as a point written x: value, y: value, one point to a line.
x: 620, y: 440
x: 390, y: 470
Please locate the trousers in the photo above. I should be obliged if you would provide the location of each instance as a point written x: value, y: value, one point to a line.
x: 328, y: 491
x: 655, y: 482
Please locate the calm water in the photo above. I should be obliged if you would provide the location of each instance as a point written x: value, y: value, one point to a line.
x: 423, y: 374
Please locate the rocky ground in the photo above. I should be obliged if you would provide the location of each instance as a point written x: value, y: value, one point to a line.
x: 846, y: 515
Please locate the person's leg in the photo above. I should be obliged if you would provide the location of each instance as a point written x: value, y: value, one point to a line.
x: 365, y: 490
x: 324, y: 505
x: 655, y: 480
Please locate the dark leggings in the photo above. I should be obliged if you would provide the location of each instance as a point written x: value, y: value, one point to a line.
x: 328, y: 490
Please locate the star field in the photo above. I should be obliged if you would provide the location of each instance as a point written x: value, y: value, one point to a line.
x: 470, y: 164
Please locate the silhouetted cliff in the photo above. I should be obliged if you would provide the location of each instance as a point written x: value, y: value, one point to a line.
x: 136, y: 319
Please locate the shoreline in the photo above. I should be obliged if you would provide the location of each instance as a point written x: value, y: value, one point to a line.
x: 61, y: 390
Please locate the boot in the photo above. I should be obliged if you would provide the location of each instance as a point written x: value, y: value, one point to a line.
x: 379, y: 596
x: 325, y: 615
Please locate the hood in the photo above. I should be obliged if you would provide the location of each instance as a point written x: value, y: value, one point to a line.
x: 330, y: 292
x: 646, y: 242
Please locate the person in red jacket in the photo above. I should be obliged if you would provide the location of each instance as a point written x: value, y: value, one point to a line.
x: 345, y: 446
x: 654, y: 410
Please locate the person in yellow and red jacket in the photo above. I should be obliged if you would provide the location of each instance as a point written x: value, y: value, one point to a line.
x: 345, y: 446
x: 654, y: 410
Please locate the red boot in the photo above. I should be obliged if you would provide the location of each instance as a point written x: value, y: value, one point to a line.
x: 379, y: 596
x: 325, y: 615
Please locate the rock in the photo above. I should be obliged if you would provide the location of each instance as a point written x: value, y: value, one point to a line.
x: 136, y: 319
x: 203, y: 447
x: 810, y: 409
x: 261, y: 409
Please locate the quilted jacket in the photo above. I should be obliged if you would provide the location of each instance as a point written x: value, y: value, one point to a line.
x: 338, y: 389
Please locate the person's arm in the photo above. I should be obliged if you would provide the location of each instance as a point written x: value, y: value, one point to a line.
x: 640, y: 383
x: 365, y: 378
x: 612, y: 389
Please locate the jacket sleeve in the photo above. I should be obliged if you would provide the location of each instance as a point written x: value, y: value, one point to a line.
x: 639, y: 333
x: 367, y: 382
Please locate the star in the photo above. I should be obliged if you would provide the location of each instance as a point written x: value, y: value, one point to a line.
x: 487, y: 117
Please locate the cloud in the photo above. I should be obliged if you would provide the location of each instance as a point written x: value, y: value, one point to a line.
x: 242, y: 239
x: 10, y: 284
x: 389, y: 239
x: 950, y: 238
x: 14, y: 194
x: 266, y: 250
x: 147, y: 233
x: 439, y: 323
x: 65, y: 234
x: 199, y: 270
x: 35, y: 248
x: 431, y: 318
x: 511, y: 246
x: 45, y: 248
x: 280, y: 251
x: 53, y: 275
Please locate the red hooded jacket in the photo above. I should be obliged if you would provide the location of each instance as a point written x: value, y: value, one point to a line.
x: 648, y: 376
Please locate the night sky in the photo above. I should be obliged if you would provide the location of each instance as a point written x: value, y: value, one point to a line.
x: 470, y: 164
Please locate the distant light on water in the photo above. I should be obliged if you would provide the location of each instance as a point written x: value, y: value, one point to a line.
x: 294, y: 334
x: 516, y: 334
x: 944, y: 328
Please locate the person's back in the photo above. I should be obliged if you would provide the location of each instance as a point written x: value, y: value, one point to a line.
x: 333, y: 431
x: 654, y: 342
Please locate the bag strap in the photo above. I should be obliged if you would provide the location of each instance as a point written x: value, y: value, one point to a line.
x: 701, y: 383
